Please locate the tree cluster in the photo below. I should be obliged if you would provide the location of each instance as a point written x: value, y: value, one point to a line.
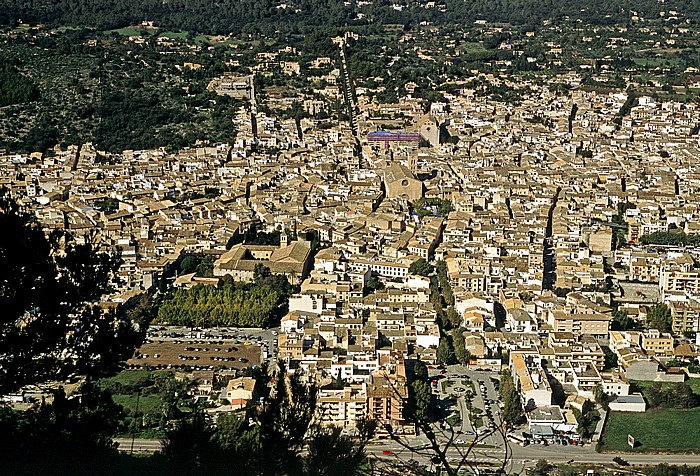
x: 200, y: 265
x: 678, y: 395
x: 51, y: 326
x: 255, y: 237
x: 512, y: 409
x: 255, y: 304
x: 108, y: 94
x: 15, y: 88
x: 664, y: 469
x: 444, y: 282
x: 433, y: 206
x: 541, y: 468
x: 659, y: 317
x: 670, y: 238
x: 421, y: 267
x: 263, y: 17
x: 270, y: 440
x: 58, y: 437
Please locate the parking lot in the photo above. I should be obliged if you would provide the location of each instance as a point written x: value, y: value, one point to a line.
x: 199, y: 353
x: 231, y: 348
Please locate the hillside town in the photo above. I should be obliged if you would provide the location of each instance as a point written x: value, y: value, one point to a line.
x: 523, y: 227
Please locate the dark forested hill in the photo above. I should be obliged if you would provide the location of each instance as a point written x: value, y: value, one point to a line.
x: 267, y: 16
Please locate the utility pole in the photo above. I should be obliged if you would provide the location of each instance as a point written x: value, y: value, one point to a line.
x: 133, y: 432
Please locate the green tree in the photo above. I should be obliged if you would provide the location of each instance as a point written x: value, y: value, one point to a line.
x: 655, y: 395
x: 610, y: 358
x: 445, y: 353
x: 542, y: 468
x: 622, y: 322
x: 50, y: 327
x: 260, y: 273
x: 562, y: 292
x: 373, y: 284
x: 512, y: 409
x: 189, y: 264
x: 659, y: 317
x: 420, y: 370
x: 420, y: 393
x: 205, y: 267
x: 420, y: 267
x: 681, y: 396
x: 280, y: 437
x: 461, y: 353
x: 587, y: 419
x: 601, y: 398
x: 453, y: 317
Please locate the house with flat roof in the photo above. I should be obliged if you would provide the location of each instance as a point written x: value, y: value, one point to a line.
x: 628, y: 403
x: 530, y: 381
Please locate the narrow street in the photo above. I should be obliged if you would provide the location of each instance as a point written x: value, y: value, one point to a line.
x: 549, y: 259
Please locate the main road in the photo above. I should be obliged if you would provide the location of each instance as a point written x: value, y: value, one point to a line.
x: 138, y: 445
x: 524, y: 457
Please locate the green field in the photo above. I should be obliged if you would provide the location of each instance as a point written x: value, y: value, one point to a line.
x: 665, y: 429
x: 129, y: 31
x: 175, y: 35
x: 146, y: 398
x: 471, y: 47
x: 129, y: 377
x: 644, y: 385
x: 149, y: 405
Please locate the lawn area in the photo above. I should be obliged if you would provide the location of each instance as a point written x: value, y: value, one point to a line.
x: 445, y: 384
x: 662, y: 429
x: 658, y: 429
x: 644, y: 385
x: 130, y: 377
x: 471, y: 47
x: 175, y: 35
x: 454, y: 420
x: 129, y: 31
x: 655, y: 62
x: 149, y: 405
x: 143, y: 396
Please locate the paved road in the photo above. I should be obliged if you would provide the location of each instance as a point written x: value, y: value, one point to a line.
x: 139, y: 445
x: 526, y: 457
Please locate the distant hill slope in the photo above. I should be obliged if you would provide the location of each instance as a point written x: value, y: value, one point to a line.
x: 268, y: 16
